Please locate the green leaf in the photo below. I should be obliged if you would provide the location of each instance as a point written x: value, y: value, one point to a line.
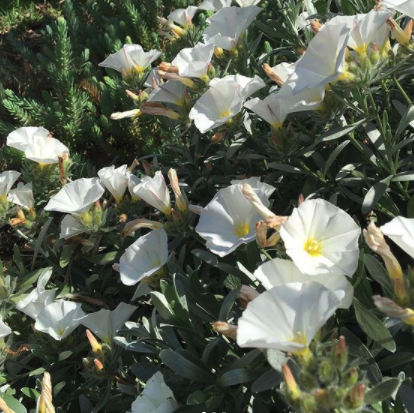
x: 267, y: 381
x: 103, y: 259
x: 236, y: 376
x: 382, y: 391
x: 205, y: 256
x: 285, y: 168
x: 378, y: 273
x: 407, y: 396
x: 335, y: 153
x: 185, y: 368
x: 373, y: 327
x: 395, y: 360
x: 40, y: 238
x: 13, y: 403
x: 227, y: 305
x: 375, y: 194
x: 276, y: 358
x: 406, y: 120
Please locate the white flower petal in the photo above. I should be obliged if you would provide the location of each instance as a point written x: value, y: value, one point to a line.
x: 401, y: 231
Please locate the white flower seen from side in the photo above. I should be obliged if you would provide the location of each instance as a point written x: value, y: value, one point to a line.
x: 144, y: 257
x: 172, y: 91
x: 194, y: 61
x: 287, y: 317
x: 183, y: 17
x: 39, y: 297
x: 115, y: 180
x: 7, y: 180
x: 105, y: 323
x: 157, y: 397
x: 214, y: 5
x: 228, y: 24
x: 5, y: 330
x: 59, y: 319
x: 76, y: 196
x: 154, y: 191
x: 130, y: 58
x: 22, y: 195
x: 22, y: 137
x: 321, y: 239
x: 403, y: 6
x: 229, y: 220
x: 401, y: 231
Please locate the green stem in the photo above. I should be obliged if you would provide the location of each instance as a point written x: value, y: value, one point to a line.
x: 407, y: 99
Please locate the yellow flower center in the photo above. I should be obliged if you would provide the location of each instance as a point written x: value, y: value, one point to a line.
x: 61, y: 331
x: 139, y: 69
x: 224, y: 114
x: 313, y: 247
x: 242, y: 229
x: 300, y: 338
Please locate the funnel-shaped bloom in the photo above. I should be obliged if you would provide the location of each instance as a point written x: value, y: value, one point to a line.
x: 22, y: 137
x: 59, y: 319
x: 183, y: 17
x: 229, y: 220
x: 401, y: 231
x: 131, y: 58
x: 155, y: 192
x: 286, y: 317
x: 115, y: 180
x: 22, y: 195
x: 223, y: 100
x: 324, y: 60
x: 44, y: 150
x: 194, y: 61
x: 228, y: 24
x: 214, y: 5
x: 5, y: 330
x: 7, y: 180
x: 157, y: 397
x: 247, y: 3
x: 105, y: 323
x: 132, y: 183
x: 403, y: 6
x: 280, y: 272
x: 39, y: 297
x: 172, y: 91
x: 144, y: 257
x: 321, y: 239
x: 76, y: 196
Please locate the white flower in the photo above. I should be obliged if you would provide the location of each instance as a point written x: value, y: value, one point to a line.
x: 364, y: 28
x: 105, y: 323
x: 403, y: 6
x: 44, y: 150
x: 22, y: 137
x: 70, y: 226
x: 155, y: 192
x: 172, y: 91
x: 223, y: 100
x: 401, y: 231
x: 229, y: 220
x: 183, y: 17
x: 324, y: 60
x: 39, y: 297
x: 76, y: 196
x: 157, y: 397
x: 132, y: 183
x: 115, y: 180
x: 246, y: 3
x: 194, y: 61
x: 153, y: 79
x: 59, y: 319
x: 131, y: 58
x: 144, y: 257
x: 228, y: 24
x: 22, y: 195
x: 5, y: 330
x: 7, y: 180
x: 214, y: 5
x: 321, y: 239
x: 280, y: 272
x: 286, y: 317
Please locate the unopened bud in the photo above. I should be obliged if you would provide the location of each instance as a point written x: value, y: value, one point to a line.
x: 340, y: 353
x: 350, y: 377
x: 218, y: 52
x: 132, y: 95
x: 315, y: 25
x: 400, y: 35
x: 45, y: 399
x: 247, y: 294
x: 322, y: 398
x: 96, y: 347
x: 307, y: 380
x: 132, y: 226
x: 292, y: 390
x: 228, y: 330
x: 157, y: 109
x: 391, y: 309
x: 326, y: 371
x: 168, y: 67
x: 98, y: 364
x: 355, y: 397
x: 174, y: 76
x: 128, y: 114
x: 272, y: 75
x: 218, y: 137
x: 308, y: 404
x: 180, y: 197
x: 375, y: 56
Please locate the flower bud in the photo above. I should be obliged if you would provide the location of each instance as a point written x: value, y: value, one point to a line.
x: 402, y: 37
x: 218, y: 52
x: 293, y: 392
x: 128, y: 114
x: 96, y: 347
x: 315, y: 25
x: 218, y: 137
x: 132, y: 226
x: 355, y: 397
x: 375, y: 55
x: 272, y: 75
x: 98, y: 364
x: 391, y: 309
x: 350, y: 377
x: 168, y: 67
x: 247, y: 294
x: 228, y: 330
x: 308, y: 404
x: 340, y: 353
x: 307, y: 380
x: 180, y: 197
x: 322, y: 398
x: 326, y: 371
x: 174, y: 76
x: 157, y: 109
x: 45, y: 399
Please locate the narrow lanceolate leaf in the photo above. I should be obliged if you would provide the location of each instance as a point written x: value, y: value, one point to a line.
x: 373, y: 327
x: 375, y: 194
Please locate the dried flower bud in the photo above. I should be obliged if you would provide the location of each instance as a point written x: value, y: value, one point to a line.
x: 180, y: 198
x: 45, y: 400
x: 218, y: 137
x: 262, y: 238
x: 247, y: 294
x: 228, y: 330
x: 96, y: 347
x: 391, y: 309
x: 132, y: 226
x: 315, y: 25
x: 272, y: 75
x: 168, y: 67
